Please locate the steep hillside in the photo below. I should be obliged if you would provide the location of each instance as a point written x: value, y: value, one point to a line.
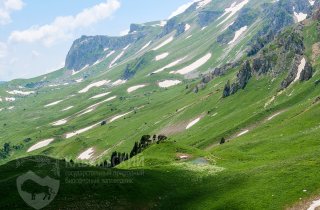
x: 233, y: 85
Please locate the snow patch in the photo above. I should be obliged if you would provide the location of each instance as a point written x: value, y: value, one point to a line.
x: 203, y: 28
x: 53, y: 103
x: 168, y: 83
x: 300, y: 69
x: 161, y: 56
x: 188, y: 37
x: 299, y: 16
x: 116, y: 59
x: 59, y: 122
x: 119, y: 82
x: 174, y: 63
x: 203, y: 3
x: 145, y: 46
x: 86, y: 155
x: 180, y: 9
x: 187, y: 27
x: 10, y: 99
x: 18, y: 92
x: 10, y: 107
x: 100, y: 95
x: 192, y: 123
x: 194, y: 65
x: 66, y: 109
x: 312, y: 2
x: 110, y: 53
x: 134, y: 88
x: 96, y: 84
x: 72, y: 134
x: 79, y: 80
x: 242, y: 133
x: 167, y: 41
x: 119, y: 116
x: 76, y: 72
x: 40, y: 145
x: 238, y: 34
x: 232, y: 10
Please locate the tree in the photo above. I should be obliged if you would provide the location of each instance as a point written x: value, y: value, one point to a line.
x: 222, y: 141
x: 144, y: 139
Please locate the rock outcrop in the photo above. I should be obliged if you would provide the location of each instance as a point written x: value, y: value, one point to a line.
x: 277, y: 16
x: 206, y: 17
x: 241, y: 82
x: 246, y: 17
x: 89, y: 49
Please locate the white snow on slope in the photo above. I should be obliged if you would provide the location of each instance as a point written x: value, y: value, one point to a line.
x: 10, y: 108
x: 312, y: 2
x: 187, y: 27
x: 76, y: 72
x: 72, y: 134
x: 180, y: 9
x: 119, y: 82
x: 174, y: 63
x: 203, y: 3
x: 232, y: 10
x: 18, y: 92
x: 100, y: 95
x: 299, y: 16
x: 300, y: 69
x: 85, y: 112
x: 161, y: 56
x: 168, y: 83
x: 66, y: 109
x: 10, y: 99
x: 113, y: 62
x: 238, y: 34
x: 167, y: 41
x: 97, y: 104
x: 194, y: 65
x: 314, y: 205
x: 119, y: 116
x: 110, y: 53
x: 134, y: 88
x: 53, y: 103
x: 145, y: 46
x: 40, y: 145
x: 79, y: 80
x: 116, y: 59
x: 189, y: 36
x: 86, y: 155
x: 242, y: 133
x: 59, y: 122
x: 192, y: 123
x: 96, y: 84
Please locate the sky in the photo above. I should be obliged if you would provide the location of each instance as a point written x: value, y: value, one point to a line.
x: 35, y: 36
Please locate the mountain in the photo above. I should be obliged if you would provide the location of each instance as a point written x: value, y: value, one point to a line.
x: 215, y: 108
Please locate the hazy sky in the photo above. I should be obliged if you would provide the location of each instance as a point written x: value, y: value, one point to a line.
x: 35, y: 35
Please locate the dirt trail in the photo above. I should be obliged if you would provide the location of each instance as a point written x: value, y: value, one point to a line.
x: 309, y: 204
x: 247, y: 129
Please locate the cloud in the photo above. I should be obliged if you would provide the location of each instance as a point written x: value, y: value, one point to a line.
x: 181, y: 9
x: 64, y: 26
x: 7, y: 7
x: 3, y: 50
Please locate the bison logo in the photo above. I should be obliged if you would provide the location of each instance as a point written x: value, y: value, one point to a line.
x: 37, y: 192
